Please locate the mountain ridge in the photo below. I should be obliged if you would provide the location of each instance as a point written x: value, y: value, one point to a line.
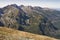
x: 35, y: 20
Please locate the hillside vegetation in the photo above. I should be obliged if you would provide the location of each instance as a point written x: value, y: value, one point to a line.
x: 11, y: 34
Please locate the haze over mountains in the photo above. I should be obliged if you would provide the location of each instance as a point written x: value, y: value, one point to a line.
x: 35, y: 20
x: 58, y: 9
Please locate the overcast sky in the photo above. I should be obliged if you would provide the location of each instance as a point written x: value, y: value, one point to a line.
x: 42, y: 3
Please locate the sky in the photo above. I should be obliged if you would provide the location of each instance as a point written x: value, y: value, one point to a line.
x: 41, y: 3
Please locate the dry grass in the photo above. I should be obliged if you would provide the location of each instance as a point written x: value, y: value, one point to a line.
x: 11, y: 34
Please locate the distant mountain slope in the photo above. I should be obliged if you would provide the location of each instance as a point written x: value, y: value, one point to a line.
x: 49, y: 24
x: 35, y: 20
x: 10, y: 34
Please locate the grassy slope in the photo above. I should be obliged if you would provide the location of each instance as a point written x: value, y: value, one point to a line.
x: 11, y: 34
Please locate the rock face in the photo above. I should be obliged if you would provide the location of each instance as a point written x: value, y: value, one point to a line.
x: 10, y: 34
x: 35, y: 20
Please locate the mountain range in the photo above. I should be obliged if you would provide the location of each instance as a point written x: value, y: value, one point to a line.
x: 37, y: 20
